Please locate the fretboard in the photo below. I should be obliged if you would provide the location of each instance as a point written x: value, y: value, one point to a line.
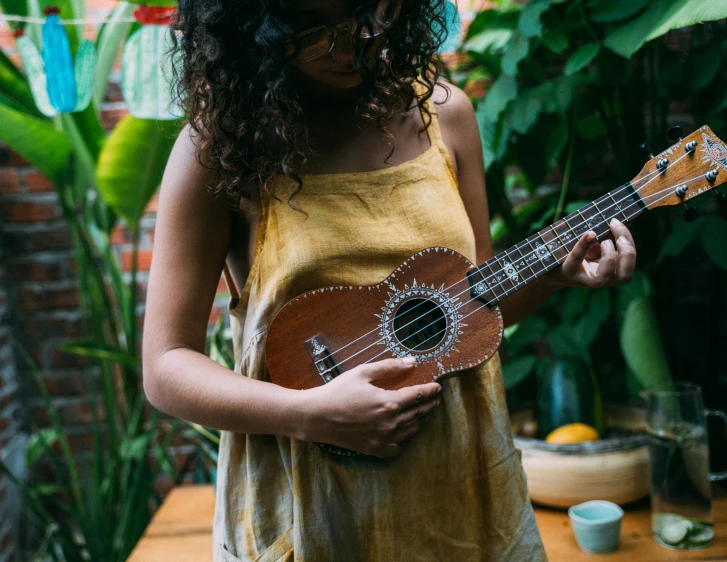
x: 545, y: 250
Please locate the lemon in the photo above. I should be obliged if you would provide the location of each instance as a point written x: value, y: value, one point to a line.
x: 572, y: 433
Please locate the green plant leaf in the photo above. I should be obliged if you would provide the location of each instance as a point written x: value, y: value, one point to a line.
x: 592, y: 127
x: 39, y: 444
x: 660, y: 17
x: 37, y: 141
x: 639, y: 333
x: 527, y: 332
x: 91, y: 348
x: 110, y: 38
x: 702, y: 69
x: 714, y: 238
x: 529, y: 24
x: 681, y: 236
x: 606, y: 11
x: 515, y: 51
x: 556, y: 41
x: 523, y: 112
x: 516, y: 370
x: 145, y: 142
x: 499, y: 95
x: 581, y: 58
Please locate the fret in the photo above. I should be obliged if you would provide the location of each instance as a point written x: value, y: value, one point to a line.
x: 564, y: 240
x: 577, y: 225
x: 532, y: 257
x: 615, y: 207
x: 507, y: 276
x: 492, y: 282
x: 635, y: 205
x: 595, y: 221
x: 543, y: 251
x: 524, y: 255
x: 480, y: 284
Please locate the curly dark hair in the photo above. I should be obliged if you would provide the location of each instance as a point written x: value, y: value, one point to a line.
x: 235, y: 84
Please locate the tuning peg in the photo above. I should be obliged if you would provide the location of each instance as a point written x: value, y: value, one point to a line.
x: 675, y: 133
x: 691, y: 213
x: 647, y: 149
x: 711, y: 176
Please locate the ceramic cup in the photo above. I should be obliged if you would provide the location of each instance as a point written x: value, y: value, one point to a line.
x: 597, y: 525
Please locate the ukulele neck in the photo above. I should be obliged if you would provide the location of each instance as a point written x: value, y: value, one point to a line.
x: 526, y: 261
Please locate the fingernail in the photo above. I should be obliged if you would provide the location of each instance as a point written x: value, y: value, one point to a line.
x: 615, y: 220
x: 409, y: 360
x: 439, y: 390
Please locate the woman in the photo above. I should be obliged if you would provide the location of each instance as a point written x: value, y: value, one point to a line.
x: 336, y: 165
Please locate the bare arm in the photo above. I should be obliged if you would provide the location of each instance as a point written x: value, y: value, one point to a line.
x: 589, y: 263
x: 190, y: 245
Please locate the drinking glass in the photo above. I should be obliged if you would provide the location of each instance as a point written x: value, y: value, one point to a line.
x: 681, y: 495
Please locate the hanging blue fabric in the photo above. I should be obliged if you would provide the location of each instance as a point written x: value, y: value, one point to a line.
x: 60, y: 74
x: 453, y: 25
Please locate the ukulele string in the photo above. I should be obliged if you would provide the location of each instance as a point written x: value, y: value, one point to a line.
x: 486, y: 279
x: 633, y: 203
x: 471, y: 300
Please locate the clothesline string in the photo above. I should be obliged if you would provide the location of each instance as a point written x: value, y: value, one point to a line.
x: 67, y: 22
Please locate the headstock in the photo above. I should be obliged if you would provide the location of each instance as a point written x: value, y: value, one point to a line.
x: 692, y: 166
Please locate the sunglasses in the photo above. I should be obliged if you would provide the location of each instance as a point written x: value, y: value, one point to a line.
x: 318, y: 41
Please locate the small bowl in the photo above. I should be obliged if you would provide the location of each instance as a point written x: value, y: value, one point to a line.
x: 597, y: 525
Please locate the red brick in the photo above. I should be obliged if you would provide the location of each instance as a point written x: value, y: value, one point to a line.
x: 33, y: 271
x: 63, y: 359
x: 111, y: 117
x: 68, y: 414
x: 54, y: 238
x: 35, y: 181
x: 32, y: 300
x: 143, y: 260
x: 7, y: 399
x: 68, y: 385
x: 30, y: 211
x: 119, y: 235
x: 44, y: 328
x: 153, y: 204
x: 9, y: 182
x: 11, y: 159
x: 214, y: 315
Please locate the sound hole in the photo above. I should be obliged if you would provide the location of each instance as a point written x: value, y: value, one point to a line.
x: 419, y: 324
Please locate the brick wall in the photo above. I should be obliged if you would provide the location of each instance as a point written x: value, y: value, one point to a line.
x: 9, y: 421
x: 39, y: 301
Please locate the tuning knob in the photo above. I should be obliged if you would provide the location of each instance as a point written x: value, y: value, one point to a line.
x: 690, y: 146
x: 691, y: 213
x: 711, y: 176
x: 675, y: 133
x: 646, y: 149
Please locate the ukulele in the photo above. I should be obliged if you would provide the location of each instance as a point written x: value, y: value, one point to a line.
x: 441, y: 309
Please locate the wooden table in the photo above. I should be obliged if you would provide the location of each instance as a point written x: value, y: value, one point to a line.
x: 182, y: 531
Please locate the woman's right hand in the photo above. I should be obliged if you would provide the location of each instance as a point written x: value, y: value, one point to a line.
x: 351, y: 412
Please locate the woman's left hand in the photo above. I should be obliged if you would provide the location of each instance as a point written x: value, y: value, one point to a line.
x: 593, y: 264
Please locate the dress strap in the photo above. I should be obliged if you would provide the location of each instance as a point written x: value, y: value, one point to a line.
x: 234, y: 294
x: 434, y: 132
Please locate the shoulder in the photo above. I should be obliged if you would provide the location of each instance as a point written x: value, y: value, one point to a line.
x: 452, y: 105
x: 457, y: 123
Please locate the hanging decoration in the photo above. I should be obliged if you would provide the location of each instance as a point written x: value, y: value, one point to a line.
x: 453, y: 25
x: 146, y: 71
x: 57, y: 85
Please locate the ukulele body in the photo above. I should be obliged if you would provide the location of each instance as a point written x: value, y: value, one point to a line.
x: 429, y: 307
